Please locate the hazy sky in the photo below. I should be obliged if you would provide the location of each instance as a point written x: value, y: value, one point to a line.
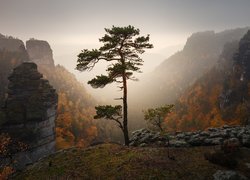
x: 71, y: 25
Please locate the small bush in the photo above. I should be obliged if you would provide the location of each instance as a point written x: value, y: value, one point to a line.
x: 221, y: 158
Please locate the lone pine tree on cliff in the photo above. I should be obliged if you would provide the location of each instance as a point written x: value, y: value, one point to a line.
x: 121, y: 47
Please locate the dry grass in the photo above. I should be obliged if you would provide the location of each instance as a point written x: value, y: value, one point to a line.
x: 110, y: 161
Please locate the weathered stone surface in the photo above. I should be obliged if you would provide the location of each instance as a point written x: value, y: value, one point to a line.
x: 196, y: 140
x: 248, y: 165
x: 30, y: 97
x: 145, y: 136
x: 40, y: 52
x: 12, y: 54
x: 8, y: 43
x: 228, y: 175
x: 178, y: 143
x: 246, y: 140
x: 213, y: 141
x: 236, y: 95
x: 30, y: 113
x: 234, y: 136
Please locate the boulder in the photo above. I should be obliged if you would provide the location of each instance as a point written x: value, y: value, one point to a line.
x: 143, y: 145
x: 233, y: 136
x: 247, y: 165
x: 196, y: 140
x: 205, y: 133
x: 178, y: 143
x: 246, y: 140
x: 212, y: 129
x: 226, y: 127
x: 213, y: 141
x: 228, y: 175
x: 215, y: 134
x: 181, y: 136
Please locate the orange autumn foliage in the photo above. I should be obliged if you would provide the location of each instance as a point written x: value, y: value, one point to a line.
x: 201, y: 106
x: 6, y: 172
x: 8, y: 148
x: 75, y: 109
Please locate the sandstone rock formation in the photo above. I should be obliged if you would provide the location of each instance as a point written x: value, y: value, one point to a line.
x: 12, y: 54
x: 174, y: 75
x: 79, y: 112
x: 210, y: 137
x: 30, y: 112
x: 63, y: 81
x: 242, y: 58
x: 40, y: 52
x: 235, y: 94
x: 228, y: 175
x: 11, y: 44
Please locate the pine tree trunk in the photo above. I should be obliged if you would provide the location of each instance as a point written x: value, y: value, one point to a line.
x: 125, y: 111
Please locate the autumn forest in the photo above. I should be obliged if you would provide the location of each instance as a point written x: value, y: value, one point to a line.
x: 115, y: 90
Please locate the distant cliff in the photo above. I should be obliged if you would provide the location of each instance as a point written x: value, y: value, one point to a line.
x: 12, y: 54
x: 11, y: 44
x: 75, y: 125
x: 40, y: 52
x: 220, y: 96
x: 171, y: 78
x: 235, y: 97
x: 75, y: 106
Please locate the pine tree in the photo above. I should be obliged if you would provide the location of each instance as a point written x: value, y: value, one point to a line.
x: 121, y: 47
x: 156, y: 116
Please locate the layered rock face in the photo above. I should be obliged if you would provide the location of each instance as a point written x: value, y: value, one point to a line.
x: 40, y: 52
x: 242, y: 57
x: 30, y: 112
x: 180, y: 71
x: 12, y: 54
x: 235, y: 94
x: 11, y: 44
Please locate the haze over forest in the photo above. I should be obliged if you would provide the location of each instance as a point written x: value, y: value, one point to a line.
x: 70, y: 26
x: 71, y: 106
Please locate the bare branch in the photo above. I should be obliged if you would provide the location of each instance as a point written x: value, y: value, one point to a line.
x: 118, y: 81
x: 119, y: 124
x: 118, y: 98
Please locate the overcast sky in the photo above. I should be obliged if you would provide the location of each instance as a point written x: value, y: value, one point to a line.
x: 71, y: 25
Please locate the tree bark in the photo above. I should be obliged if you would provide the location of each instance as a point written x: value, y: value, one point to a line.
x: 161, y: 129
x: 125, y: 111
x: 125, y: 93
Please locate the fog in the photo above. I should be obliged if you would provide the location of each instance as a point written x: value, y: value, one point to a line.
x: 70, y: 26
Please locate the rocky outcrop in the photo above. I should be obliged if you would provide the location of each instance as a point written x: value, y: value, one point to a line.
x: 243, y: 56
x: 194, y: 44
x: 11, y: 44
x: 180, y: 71
x: 65, y: 84
x: 30, y: 112
x: 235, y: 95
x: 12, y: 54
x: 210, y: 137
x: 40, y: 52
x: 228, y: 175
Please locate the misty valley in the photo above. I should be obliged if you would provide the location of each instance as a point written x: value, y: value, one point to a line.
x: 189, y: 118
